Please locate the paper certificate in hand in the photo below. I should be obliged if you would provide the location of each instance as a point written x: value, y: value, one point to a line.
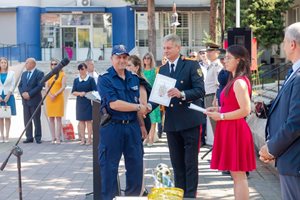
x: 161, y: 86
x: 197, y: 108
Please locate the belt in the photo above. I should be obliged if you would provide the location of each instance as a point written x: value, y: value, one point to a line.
x: 212, y: 94
x: 122, y: 121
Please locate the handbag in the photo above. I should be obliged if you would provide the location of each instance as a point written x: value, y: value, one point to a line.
x: 5, y: 111
x: 261, y: 110
x: 68, y: 131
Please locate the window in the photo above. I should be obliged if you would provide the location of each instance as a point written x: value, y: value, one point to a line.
x: 142, y: 28
x: 200, y: 24
x: 76, y: 20
x: 102, y: 30
x: 50, y: 34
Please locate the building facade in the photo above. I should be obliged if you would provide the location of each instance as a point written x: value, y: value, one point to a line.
x: 81, y: 29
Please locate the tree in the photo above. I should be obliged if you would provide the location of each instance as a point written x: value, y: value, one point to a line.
x: 151, y: 25
x: 264, y: 17
x: 213, y: 20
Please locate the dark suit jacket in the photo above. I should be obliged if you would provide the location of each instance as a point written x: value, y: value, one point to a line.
x: 33, y: 87
x: 189, y: 78
x: 283, y: 128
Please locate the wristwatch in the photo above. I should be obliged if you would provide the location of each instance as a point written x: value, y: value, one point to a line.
x: 222, y: 116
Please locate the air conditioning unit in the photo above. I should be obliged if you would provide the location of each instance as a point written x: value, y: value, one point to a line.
x: 83, y: 3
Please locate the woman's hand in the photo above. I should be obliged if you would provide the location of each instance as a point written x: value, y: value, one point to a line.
x: 212, y: 109
x: 214, y: 115
x: 82, y: 94
x: 6, y: 98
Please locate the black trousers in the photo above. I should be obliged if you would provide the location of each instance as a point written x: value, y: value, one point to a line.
x: 183, y: 146
x: 28, y: 111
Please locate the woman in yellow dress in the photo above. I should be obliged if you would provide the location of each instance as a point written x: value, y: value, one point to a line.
x: 55, y: 103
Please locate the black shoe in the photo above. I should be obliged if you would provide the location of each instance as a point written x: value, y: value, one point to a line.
x: 145, y: 193
x: 159, y: 134
x: 39, y: 142
x: 203, y: 143
x: 27, y: 141
x: 226, y: 173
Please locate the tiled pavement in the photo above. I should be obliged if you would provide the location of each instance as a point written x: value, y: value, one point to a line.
x: 65, y: 172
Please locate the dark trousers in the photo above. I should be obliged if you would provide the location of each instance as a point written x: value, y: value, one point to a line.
x: 118, y: 139
x: 290, y: 187
x: 183, y: 146
x: 27, y: 112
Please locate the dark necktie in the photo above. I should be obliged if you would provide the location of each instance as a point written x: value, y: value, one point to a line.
x: 28, y: 75
x: 172, y: 70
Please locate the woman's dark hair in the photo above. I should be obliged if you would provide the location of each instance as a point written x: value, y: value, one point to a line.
x: 136, y: 61
x: 81, y: 66
x: 243, y: 67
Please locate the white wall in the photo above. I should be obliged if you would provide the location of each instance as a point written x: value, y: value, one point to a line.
x: 8, y: 33
x: 15, y: 3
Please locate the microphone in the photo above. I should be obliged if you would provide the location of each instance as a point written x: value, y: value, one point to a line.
x: 55, y: 70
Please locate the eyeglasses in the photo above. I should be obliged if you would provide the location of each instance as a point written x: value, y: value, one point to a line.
x: 53, y: 64
x: 201, y: 53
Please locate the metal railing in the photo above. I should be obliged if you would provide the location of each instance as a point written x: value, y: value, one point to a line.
x: 15, y: 52
x: 276, y: 71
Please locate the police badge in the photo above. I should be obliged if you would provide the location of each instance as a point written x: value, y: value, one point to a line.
x: 200, y: 73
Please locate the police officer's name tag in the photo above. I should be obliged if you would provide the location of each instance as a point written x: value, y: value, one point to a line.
x: 135, y: 87
x: 159, y: 92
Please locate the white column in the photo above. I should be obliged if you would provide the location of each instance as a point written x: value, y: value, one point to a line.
x: 237, y: 18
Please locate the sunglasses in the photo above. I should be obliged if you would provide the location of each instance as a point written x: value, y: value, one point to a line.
x: 53, y: 64
x: 201, y: 53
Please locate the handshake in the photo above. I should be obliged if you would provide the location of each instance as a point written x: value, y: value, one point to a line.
x: 144, y: 109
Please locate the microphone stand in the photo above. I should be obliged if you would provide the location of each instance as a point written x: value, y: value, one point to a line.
x: 16, y: 150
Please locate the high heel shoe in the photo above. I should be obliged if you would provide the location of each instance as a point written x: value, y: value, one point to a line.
x: 82, y: 142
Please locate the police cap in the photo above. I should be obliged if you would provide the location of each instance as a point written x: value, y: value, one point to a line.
x: 211, y: 46
x: 119, y: 50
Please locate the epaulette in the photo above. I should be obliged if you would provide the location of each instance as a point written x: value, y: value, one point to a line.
x: 103, y: 73
x: 187, y: 58
x: 134, y: 73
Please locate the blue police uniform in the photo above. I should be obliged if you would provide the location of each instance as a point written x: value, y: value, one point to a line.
x: 121, y: 135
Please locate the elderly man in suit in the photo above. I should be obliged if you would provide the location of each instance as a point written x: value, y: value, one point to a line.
x: 182, y: 124
x: 283, y: 124
x: 30, y: 90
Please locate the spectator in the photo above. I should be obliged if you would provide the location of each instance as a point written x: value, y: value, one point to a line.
x: 233, y: 148
x: 91, y: 69
x: 7, y: 87
x: 135, y: 65
x: 82, y: 85
x: 30, y: 89
x: 150, y: 74
x: 55, y: 103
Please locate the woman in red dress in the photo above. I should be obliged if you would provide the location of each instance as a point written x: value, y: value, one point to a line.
x: 233, y: 143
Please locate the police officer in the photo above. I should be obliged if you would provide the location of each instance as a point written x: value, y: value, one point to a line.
x: 119, y: 91
x: 182, y: 124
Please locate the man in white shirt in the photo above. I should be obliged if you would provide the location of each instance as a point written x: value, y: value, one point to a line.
x: 211, y: 80
x: 91, y: 69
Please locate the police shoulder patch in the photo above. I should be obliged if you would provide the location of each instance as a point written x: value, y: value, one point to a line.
x: 199, y: 71
x: 103, y: 73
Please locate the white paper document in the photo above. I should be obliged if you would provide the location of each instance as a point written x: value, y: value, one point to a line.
x: 197, y: 108
x: 161, y: 86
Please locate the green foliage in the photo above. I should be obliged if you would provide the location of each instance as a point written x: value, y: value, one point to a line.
x: 264, y: 17
x: 131, y: 1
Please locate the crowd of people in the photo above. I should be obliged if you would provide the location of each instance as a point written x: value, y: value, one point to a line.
x: 213, y: 78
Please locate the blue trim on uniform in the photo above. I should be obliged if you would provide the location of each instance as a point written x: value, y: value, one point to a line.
x: 123, y: 26
x: 72, y: 9
x: 29, y: 31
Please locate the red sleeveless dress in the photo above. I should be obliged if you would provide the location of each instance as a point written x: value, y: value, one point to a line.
x: 233, y: 147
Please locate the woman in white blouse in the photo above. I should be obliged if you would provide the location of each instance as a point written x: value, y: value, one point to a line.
x: 7, y: 86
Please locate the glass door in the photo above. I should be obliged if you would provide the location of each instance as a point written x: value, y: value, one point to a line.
x: 69, y: 43
x: 84, y: 43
